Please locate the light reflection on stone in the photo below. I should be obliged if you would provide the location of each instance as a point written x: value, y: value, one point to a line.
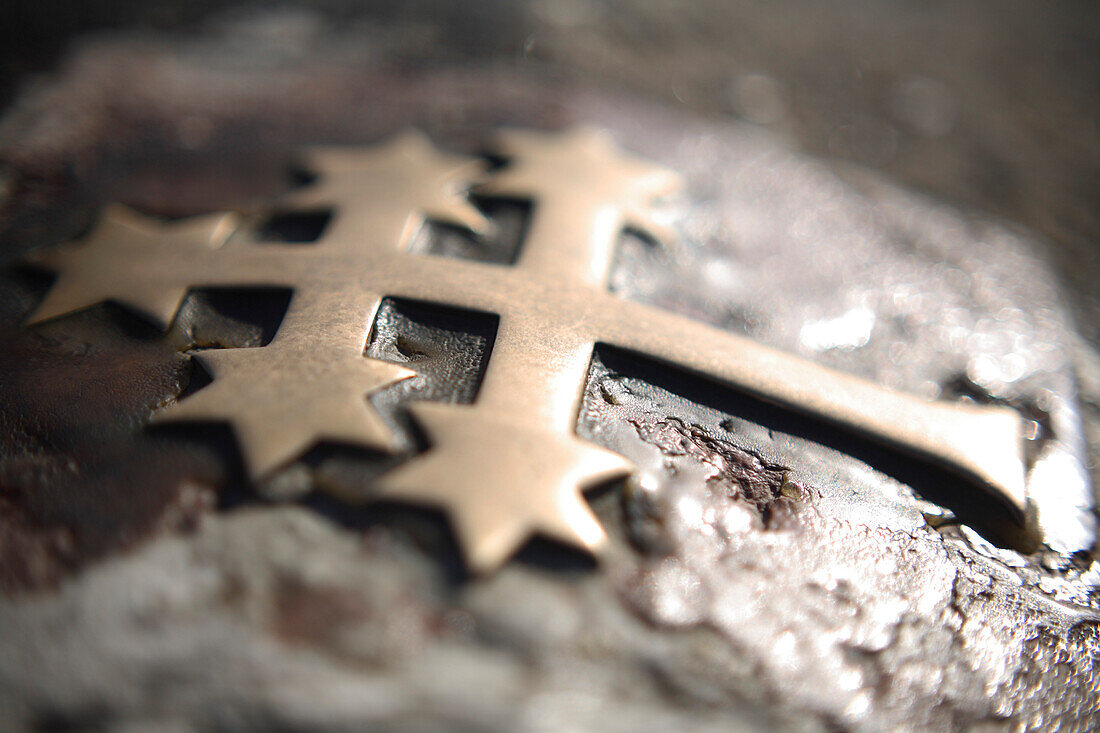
x: 849, y: 331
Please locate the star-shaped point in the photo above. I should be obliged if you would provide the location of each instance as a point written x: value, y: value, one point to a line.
x: 502, y: 483
x: 122, y: 260
x: 415, y: 175
x: 282, y: 401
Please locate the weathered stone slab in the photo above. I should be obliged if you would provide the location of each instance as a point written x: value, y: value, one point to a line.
x: 760, y: 575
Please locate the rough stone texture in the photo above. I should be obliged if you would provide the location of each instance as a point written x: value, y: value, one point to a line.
x: 761, y: 576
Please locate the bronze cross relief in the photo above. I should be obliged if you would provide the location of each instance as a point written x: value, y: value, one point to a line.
x: 509, y: 465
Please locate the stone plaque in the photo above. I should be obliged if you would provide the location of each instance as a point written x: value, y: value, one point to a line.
x: 309, y: 451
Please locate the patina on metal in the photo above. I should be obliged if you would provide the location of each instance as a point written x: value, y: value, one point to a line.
x: 509, y: 465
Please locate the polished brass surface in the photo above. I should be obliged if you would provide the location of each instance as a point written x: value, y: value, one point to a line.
x: 508, y: 465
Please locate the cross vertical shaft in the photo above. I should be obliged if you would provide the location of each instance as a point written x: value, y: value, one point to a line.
x: 584, y: 192
x: 538, y: 365
x: 572, y: 239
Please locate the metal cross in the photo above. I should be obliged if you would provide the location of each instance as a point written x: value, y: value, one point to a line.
x: 508, y: 465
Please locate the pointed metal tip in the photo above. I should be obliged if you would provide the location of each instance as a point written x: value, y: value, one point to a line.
x: 479, y: 224
x: 663, y: 234
x: 38, y: 316
x: 405, y: 373
x: 486, y: 228
x: 486, y: 558
x: 410, y: 137
x: 121, y: 215
x: 55, y: 305
x: 463, y: 215
x: 175, y: 411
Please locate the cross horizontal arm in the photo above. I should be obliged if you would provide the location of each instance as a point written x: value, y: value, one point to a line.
x: 985, y: 443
